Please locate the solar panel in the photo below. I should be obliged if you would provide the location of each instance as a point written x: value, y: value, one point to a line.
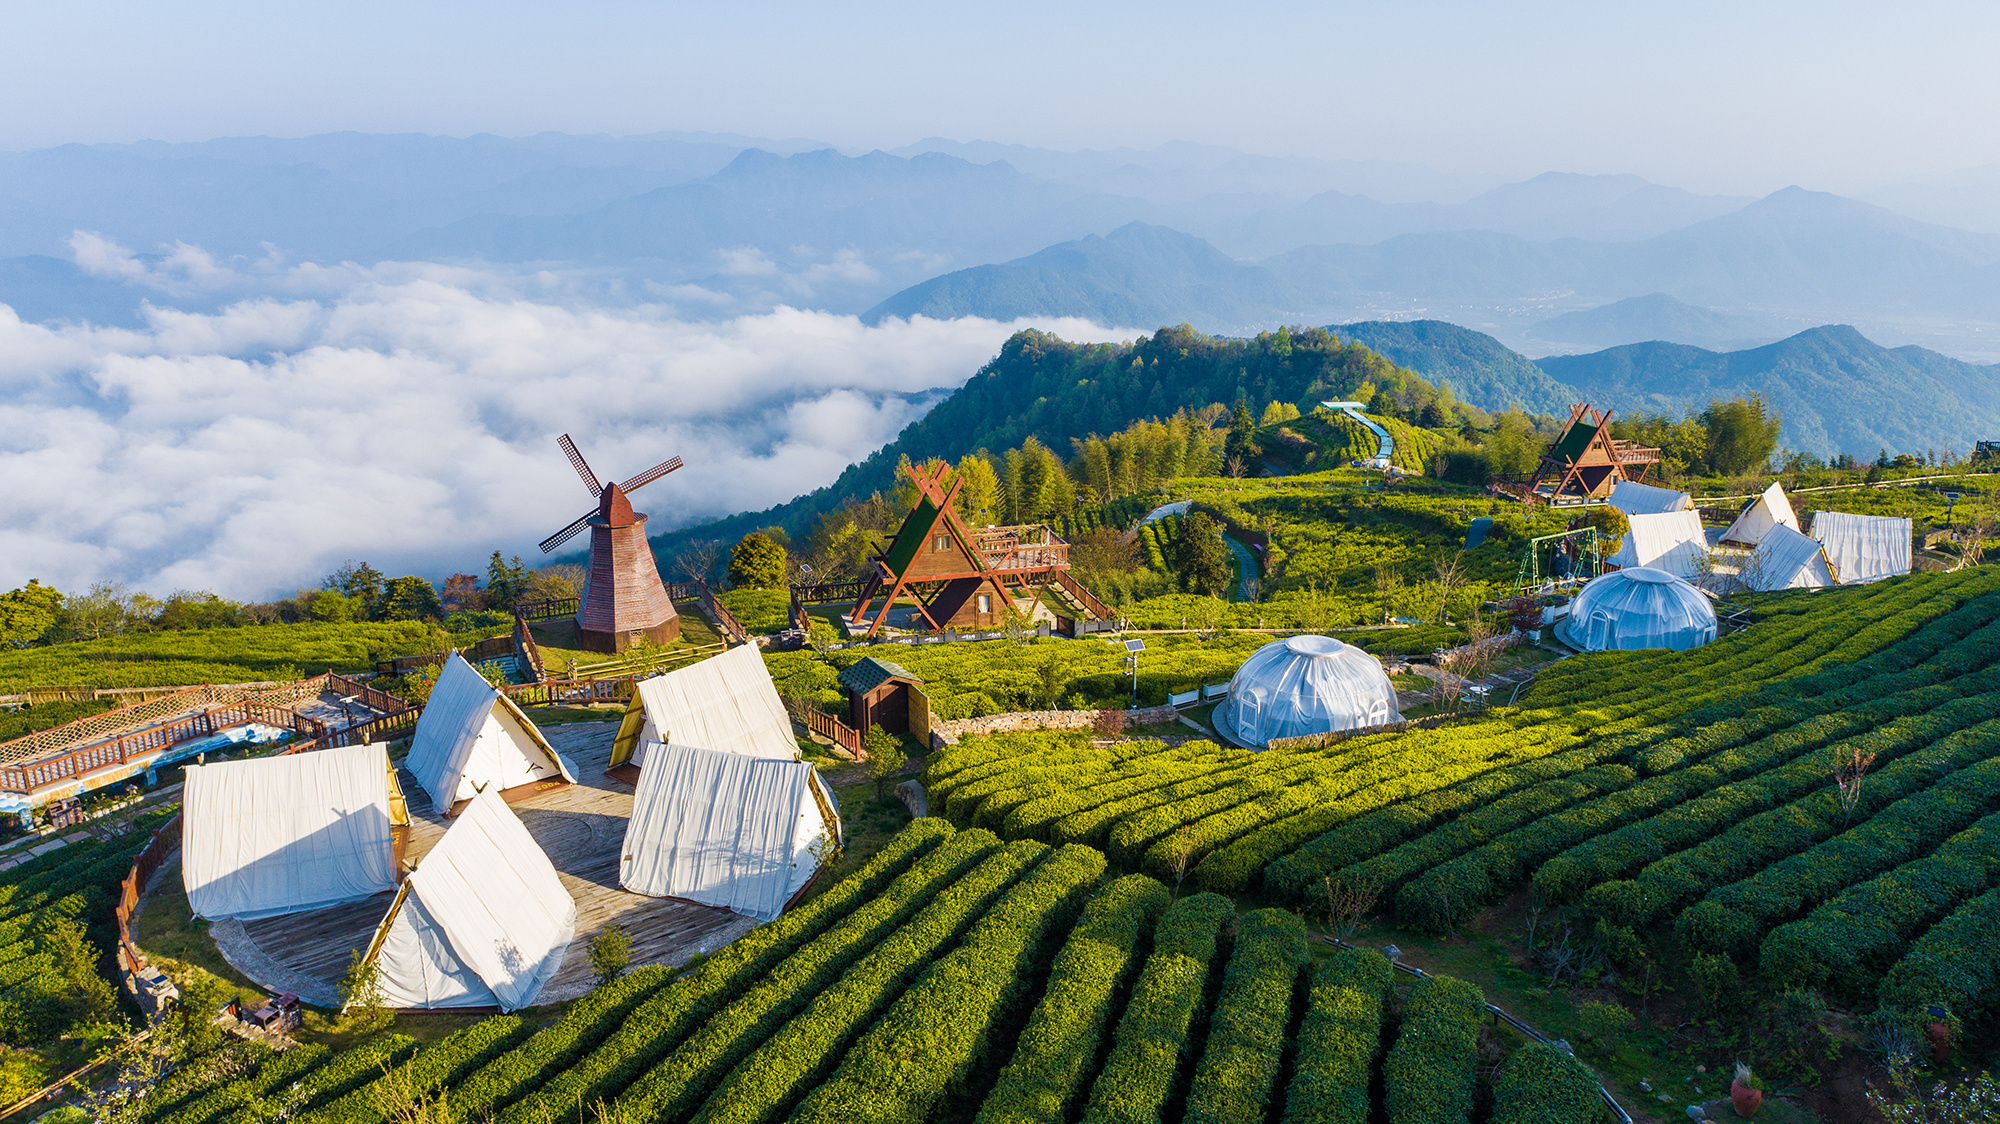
x: 1135, y: 645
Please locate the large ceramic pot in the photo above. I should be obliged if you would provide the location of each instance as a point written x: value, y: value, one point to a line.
x: 1745, y: 1099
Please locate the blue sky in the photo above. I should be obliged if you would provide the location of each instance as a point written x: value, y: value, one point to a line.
x: 1715, y: 97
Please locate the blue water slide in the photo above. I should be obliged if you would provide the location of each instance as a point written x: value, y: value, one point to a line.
x: 1387, y: 451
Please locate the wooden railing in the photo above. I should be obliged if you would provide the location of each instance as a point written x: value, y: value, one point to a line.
x: 164, y: 842
x: 525, y: 648
x: 558, y: 691
x: 1083, y: 596
x: 824, y: 593
x: 627, y: 667
x: 547, y: 610
x: 827, y: 726
x: 723, y: 618
x: 31, y: 775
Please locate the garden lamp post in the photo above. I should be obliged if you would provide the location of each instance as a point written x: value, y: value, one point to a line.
x: 1132, y: 650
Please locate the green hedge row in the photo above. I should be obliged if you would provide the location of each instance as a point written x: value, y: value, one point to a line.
x: 632, y: 1042
x: 1340, y: 1040
x: 433, y: 1070
x: 804, y: 1050
x: 234, y: 1099
x: 1851, y: 940
x: 939, y: 1029
x: 1952, y: 964
x: 346, y: 1073
x: 196, y: 1076
x: 1152, y: 1040
x: 1045, y: 1078
x: 1238, y: 1072
x: 1428, y: 1077
x: 1719, y: 844
x: 1543, y: 1085
x: 546, y: 1052
x: 1732, y: 919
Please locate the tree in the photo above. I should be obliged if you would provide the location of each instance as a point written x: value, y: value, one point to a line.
x: 360, y: 580
x: 463, y: 595
x: 885, y: 759
x: 1742, y: 434
x: 979, y: 499
x: 1611, y: 524
x: 99, y: 613
x: 610, y: 953
x: 1242, y: 438
x: 411, y: 598
x: 1433, y: 416
x: 697, y: 560
x: 361, y: 995
x: 28, y: 612
x: 1449, y: 577
x: 1105, y: 551
x: 1388, y: 583
x: 1199, y: 558
x: 91, y: 1000
x: 505, y: 581
x: 1347, y: 906
x: 757, y: 563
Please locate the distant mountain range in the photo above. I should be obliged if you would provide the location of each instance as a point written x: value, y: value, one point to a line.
x: 1655, y: 316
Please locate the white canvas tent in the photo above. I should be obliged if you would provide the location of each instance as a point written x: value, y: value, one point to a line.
x: 725, y: 703
x: 287, y: 834
x: 471, y: 739
x: 1669, y: 541
x: 1634, y: 498
x: 1757, y: 518
x: 1863, y: 548
x: 1786, y: 559
x: 725, y: 829
x: 483, y: 921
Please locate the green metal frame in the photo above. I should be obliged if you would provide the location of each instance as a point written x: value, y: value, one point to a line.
x: 1589, y: 559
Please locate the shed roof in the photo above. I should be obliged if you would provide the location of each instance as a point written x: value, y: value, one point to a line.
x: 871, y: 673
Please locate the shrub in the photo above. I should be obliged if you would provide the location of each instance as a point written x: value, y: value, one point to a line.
x: 1543, y: 1085
x: 1339, y: 1040
x: 1428, y: 1076
x: 1247, y: 1031
x: 1152, y: 1035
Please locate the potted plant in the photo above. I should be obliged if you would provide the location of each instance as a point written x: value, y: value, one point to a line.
x: 1746, y: 1093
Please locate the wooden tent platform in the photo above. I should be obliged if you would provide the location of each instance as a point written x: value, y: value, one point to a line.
x: 580, y: 826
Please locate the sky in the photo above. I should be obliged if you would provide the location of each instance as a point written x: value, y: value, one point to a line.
x: 1737, y: 98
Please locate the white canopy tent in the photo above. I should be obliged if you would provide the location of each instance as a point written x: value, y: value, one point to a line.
x: 1786, y: 559
x: 483, y: 921
x: 1757, y: 518
x: 1634, y: 498
x: 725, y: 829
x: 471, y: 739
x: 726, y: 703
x: 1863, y: 548
x: 287, y: 834
x: 1670, y: 540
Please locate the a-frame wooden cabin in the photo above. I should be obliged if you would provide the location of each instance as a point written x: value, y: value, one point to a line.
x: 961, y: 577
x: 1582, y: 465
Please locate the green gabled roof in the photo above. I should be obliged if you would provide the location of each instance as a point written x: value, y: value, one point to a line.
x: 871, y: 673
x: 911, y: 538
x: 1575, y: 442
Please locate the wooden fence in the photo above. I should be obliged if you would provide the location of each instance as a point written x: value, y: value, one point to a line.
x: 625, y: 667
x: 164, y: 842
x: 553, y: 692
x: 547, y: 610
x: 827, y: 726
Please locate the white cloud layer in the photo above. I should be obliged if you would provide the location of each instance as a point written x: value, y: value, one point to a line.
x: 407, y: 415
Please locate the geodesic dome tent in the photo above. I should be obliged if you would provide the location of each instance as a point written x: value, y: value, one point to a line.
x: 1638, y: 607
x: 1305, y: 685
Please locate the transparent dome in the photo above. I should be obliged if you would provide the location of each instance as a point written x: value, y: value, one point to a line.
x: 1638, y: 607
x: 1305, y: 685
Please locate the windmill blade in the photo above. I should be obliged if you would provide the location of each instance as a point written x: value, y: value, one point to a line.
x: 650, y: 475
x: 576, y: 461
x: 567, y: 533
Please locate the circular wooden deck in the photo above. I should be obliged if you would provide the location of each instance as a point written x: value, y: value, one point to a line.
x: 580, y: 827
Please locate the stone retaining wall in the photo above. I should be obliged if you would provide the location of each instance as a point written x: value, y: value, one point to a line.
x: 947, y: 731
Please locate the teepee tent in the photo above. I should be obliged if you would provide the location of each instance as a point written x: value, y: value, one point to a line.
x: 483, y: 921
x: 1757, y: 518
x: 725, y: 829
x: 288, y: 834
x: 1786, y: 559
x: 472, y: 739
x: 725, y: 703
x: 1634, y: 498
x: 1669, y: 541
x: 1863, y: 548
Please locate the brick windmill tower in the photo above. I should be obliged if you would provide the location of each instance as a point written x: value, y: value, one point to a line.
x: 624, y: 602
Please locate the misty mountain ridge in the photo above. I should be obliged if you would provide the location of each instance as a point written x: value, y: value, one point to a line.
x: 1655, y: 316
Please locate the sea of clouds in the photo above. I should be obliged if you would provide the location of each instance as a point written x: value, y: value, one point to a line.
x: 406, y: 414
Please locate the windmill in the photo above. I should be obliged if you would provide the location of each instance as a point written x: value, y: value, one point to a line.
x: 623, y: 603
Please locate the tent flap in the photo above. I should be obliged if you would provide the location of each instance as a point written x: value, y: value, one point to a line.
x: 1863, y: 548
x: 471, y: 739
x: 287, y: 834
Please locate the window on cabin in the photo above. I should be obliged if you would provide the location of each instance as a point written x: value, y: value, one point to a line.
x: 940, y: 543
x: 985, y: 603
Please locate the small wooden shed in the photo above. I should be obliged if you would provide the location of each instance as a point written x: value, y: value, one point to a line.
x: 880, y: 693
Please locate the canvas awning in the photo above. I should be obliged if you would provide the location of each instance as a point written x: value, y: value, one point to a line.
x: 1769, y: 510
x: 484, y: 920
x: 724, y: 829
x: 471, y: 738
x: 1863, y: 548
x: 725, y: 703
x: 1786, y: 559
x: 278, y: 835
x: 1671, y: 541
x: 1634, y: 498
